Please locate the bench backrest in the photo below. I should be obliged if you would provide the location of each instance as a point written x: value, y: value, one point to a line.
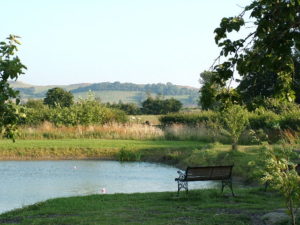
x: 208, y: 173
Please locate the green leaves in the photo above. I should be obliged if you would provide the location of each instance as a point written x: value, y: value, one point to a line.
x: 58, y: 97
x: 228, y: 25
x: 235, y: 120
x: 280, y: 173
x: 266, y: 50
x: 10, y: 68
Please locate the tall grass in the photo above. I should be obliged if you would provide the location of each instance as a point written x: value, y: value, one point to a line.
x: 194, y: 133
x: 107, y: 131
x: 129, y: 131
x: 138, y: 131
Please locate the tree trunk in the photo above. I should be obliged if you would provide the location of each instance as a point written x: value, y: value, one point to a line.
x: 291, y: 208
x: 234, y: 146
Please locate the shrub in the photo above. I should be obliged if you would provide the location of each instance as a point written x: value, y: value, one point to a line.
x: 280, y: 173
x: 127, y: 155
x: 189, y: 119
x: 263, y: 119
x: 85, y: 112
x: 158, y: 105
x: 290, y: 120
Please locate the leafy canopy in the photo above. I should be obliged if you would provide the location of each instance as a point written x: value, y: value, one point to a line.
x: 267, y: 49
x: 58, y: 97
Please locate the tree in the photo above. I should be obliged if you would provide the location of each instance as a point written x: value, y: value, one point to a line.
x: 10, y: 69
x: 256, y: 88
x: 235, y: 120
x: 171, y: 105
x: 208, y: 91
x: 160, y: 106
x: 267, y: 50
x: 58, y: 97
x: 296, y: 80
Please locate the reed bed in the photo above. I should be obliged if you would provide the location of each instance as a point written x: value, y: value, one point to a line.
x: 129, y: 131
x: 194, y: 133
x: 107, y: 131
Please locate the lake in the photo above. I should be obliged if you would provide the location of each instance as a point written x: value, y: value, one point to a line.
x: 27, y: 182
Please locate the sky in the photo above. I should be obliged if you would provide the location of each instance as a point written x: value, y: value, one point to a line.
x: 138, y: 41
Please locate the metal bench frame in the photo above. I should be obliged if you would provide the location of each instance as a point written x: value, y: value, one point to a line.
x: 188, y: 176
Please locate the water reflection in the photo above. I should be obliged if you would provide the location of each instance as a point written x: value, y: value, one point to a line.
x: 27, y: 182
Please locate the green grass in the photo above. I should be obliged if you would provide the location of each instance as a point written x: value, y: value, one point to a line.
x: 86, y: 148
x: 198, y: 207
x: 97, y: 144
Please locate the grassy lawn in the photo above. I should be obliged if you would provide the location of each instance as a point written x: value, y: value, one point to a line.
x: 198, y: 207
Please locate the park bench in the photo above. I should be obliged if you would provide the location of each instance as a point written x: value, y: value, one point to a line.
x: 205, y: 173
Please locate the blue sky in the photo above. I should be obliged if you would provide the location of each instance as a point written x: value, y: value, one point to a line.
x: 139, y: 41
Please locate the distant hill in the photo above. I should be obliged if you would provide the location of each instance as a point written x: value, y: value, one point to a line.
x: 114, y: 92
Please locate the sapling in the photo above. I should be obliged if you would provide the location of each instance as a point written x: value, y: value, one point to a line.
x: 235, y: 120
x: 280, y: 173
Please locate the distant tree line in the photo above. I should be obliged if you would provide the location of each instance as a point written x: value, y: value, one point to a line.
x: 59, y: 108
x: 189, y: 95
x: 151, y: 105
x: 163, y: 89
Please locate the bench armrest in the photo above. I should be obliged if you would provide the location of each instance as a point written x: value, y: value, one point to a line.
x: 181, y: 175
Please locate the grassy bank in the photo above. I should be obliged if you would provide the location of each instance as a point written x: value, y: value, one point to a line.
x: 86, y: 148
x: 199, y: 207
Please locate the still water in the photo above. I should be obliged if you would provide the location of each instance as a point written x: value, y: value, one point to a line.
x: 27, y: 182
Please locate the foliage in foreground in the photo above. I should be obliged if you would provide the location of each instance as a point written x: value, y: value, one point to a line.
x: 280, y: 173
x: 265, y: 52
x: 10, y: 69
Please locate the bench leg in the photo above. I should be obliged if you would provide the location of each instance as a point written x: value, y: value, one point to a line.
x: 182, y: 185
x: 228, y: 183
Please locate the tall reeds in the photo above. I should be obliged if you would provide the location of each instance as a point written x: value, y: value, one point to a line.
x: 107, y: 131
